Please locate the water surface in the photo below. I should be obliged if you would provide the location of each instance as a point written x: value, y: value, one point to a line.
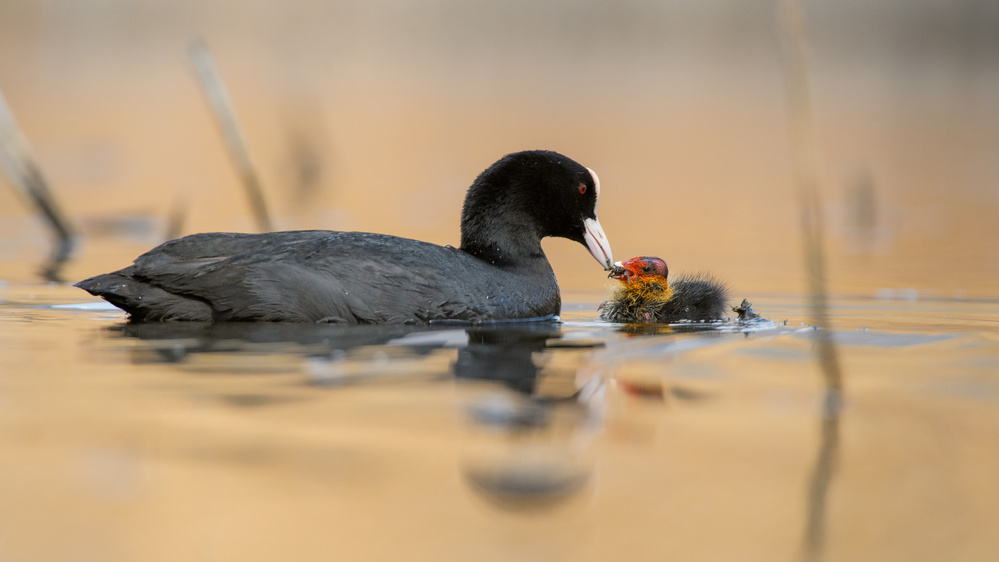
x: 577, y: 440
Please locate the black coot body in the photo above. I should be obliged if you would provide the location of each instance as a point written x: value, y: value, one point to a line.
x: 499, y: 272
x: 648, y: 298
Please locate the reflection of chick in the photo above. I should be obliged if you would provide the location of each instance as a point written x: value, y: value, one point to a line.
x: 647, y: 297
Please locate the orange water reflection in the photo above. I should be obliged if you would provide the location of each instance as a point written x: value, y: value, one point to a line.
x: 566, y: 442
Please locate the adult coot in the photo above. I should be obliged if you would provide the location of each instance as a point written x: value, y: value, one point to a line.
x: 648, y: 298
x: 499, y: 272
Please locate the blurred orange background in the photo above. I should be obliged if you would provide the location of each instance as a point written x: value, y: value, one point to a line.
x: 376, y: 116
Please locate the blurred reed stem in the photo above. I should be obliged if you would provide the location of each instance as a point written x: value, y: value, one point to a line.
x: 222, y: 107
x: 804, y: 158
x: 18, y: 163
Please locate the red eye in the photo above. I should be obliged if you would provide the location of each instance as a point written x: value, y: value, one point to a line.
x: 582, y: 188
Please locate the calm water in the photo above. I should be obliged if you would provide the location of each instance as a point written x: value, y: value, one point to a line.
x: 577, y: 441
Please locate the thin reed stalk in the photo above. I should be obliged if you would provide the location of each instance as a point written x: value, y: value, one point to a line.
x: 805, y: 160
x: 225, y: 115
x: 17, y: 161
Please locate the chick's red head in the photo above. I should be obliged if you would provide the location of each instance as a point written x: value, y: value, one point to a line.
x: 639, y: 268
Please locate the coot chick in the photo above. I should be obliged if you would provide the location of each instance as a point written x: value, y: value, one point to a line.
x: 499, y: 272
x: 648, y: 298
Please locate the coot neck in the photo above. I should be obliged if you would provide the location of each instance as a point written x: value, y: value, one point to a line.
x: 501, y: 231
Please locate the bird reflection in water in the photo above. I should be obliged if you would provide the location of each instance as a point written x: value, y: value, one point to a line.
x: 531, y: 416
x: 528, y: 445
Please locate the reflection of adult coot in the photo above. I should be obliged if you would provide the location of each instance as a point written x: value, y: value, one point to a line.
x: 519, y: 456
x: 504, y: 354
x: 308, y: 339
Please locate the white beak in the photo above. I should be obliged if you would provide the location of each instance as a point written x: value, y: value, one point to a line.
x: 597, y: 242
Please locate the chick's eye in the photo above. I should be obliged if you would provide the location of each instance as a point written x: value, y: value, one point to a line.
x: 582, y: 189
x: 647, y: 269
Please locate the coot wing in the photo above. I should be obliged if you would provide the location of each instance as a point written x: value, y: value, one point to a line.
x: 308, y: 277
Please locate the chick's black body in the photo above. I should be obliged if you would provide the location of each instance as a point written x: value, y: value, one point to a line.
x: 697, y: 299
x: 646, y: 296
x: 500, y: 271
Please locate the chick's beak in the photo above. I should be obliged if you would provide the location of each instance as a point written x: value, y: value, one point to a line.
x: 620, y: 272
x: 597, y: 242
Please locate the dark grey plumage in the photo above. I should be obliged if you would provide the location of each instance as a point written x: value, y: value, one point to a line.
x: 500, y: 272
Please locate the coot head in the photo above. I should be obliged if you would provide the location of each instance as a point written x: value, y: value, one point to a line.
x: 527, y: 196
x: 640, y: 268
